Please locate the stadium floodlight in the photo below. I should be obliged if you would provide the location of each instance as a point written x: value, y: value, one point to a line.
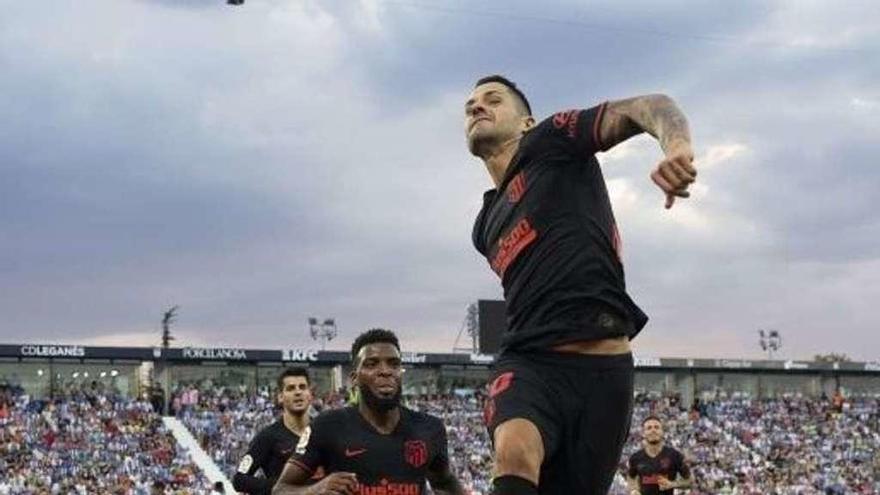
x: 770, y: 341
x: 471, y: 325
x: 324, y: 331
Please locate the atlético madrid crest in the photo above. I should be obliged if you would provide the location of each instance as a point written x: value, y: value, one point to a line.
x: 415, y: 452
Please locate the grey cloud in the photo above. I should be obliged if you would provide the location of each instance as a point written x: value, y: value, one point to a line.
x: 293, y: 160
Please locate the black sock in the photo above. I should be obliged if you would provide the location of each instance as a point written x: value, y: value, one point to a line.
x: 513, y: 485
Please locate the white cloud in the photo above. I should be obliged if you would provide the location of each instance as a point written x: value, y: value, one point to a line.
x: 369, y: 17
x: 814, y: 24
x: 623, y: 195
x: 864, y: 104
x: 716, y: 154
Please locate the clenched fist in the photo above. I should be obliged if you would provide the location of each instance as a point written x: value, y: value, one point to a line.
x: 675, y: 173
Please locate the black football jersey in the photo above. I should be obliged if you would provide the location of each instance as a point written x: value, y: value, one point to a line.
x: 668, y: 463
x: 269, y: 451
x: 394, y: 464
x: 548, y: 231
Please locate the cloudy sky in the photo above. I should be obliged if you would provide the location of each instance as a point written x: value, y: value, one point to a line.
x: 261, y: 164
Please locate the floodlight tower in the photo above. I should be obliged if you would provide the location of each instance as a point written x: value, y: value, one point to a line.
x: 323, y: 331
x: 770, y: 341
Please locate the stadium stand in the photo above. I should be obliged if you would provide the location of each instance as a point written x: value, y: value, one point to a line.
x: 746, y: 427
x: 89, y: 441
x: 784, y: 446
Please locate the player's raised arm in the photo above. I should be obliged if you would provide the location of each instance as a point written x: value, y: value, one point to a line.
x: 659, y: 116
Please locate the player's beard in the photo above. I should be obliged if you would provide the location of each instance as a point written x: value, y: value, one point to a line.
x: 482, y: 144
x: 379, y: 404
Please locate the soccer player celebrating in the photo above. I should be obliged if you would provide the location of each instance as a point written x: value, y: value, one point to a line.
x: 655, y: 469
x: 560, y: 397
x: 377, y: 447
x: 273, y: 445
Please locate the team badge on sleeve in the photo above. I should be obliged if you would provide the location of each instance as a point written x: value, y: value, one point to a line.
x: 304, y: 440
x: 245, y: 465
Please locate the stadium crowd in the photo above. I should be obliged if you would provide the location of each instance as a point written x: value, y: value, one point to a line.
x: 789, y: 445
x: 469, y: 446
x: 785, y: 446
x: 224, y: 419
x: 832, y: 445
x: 89, y: 440
x: 720, y: 463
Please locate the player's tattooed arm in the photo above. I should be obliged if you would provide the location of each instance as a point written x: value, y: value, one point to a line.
x: 444, y: 482
x: 684, y: 482
x: 659, y: 116
x: 632, y: 484
x: 632, y: 480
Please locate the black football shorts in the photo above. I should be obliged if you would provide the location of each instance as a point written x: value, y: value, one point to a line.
x: 581, y: 404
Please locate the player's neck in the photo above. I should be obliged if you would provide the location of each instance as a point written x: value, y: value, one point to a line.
x: 296, y: 423
x: 498, y: 159
x: 383, y: 422
x: 653, y: 450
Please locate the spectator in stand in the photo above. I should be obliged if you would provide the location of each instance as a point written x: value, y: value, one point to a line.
x: 735, y: 444
x: 88, y: 441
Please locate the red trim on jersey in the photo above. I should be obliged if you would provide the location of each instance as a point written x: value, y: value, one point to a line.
x: 617, y: 242
x: 500, y: 384
x: 597, y: 126
x: 516, y: 188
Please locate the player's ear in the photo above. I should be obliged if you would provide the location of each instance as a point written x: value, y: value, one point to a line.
x: 528, y: 122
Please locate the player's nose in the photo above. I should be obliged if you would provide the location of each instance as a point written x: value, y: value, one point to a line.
x: 479, y: 111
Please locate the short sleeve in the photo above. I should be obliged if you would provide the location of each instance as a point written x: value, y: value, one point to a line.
x: 311, y: 450
x: 256, y: 455
x: 631, y: 470
x: 682, y: 466
x: 441, y: 457
x: 579, y: 129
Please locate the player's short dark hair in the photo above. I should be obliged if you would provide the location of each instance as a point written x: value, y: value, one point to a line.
x: 496, y: 78
x: 292, y: 372
x: 373, y: 336
x: 651, y: 417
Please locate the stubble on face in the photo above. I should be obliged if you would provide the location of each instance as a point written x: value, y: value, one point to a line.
x: 491, y: 118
